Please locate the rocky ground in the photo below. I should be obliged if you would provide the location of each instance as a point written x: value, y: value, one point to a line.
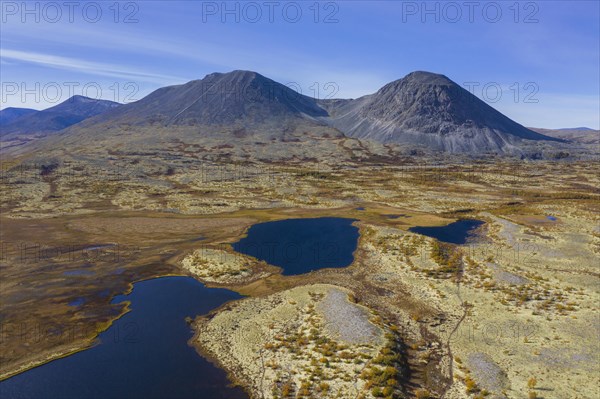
x: 512, y: 314
x: 306, y: 341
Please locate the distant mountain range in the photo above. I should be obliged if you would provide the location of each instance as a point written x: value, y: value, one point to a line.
x: 423, y: 109
x: 23, y: 121
x: 583, y: 135
x: 8, y: 115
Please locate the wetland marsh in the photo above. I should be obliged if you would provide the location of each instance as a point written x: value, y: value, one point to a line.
x: 516, y: 279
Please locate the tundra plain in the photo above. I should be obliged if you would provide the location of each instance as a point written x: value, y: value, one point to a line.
x: 512, y: 313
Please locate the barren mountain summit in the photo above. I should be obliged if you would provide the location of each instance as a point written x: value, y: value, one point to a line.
x: 217, y: 99
x: 422, y: 110
x: 428, y: 109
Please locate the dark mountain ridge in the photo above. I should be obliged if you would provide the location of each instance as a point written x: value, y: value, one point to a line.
x: 424, y: 110
x: 58, y: 117
x: 7, y: 115
x: 583, y: 135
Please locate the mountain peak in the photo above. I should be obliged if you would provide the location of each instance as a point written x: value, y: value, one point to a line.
x: 67, y: 113
x: 418, y: 81
x: 425, y: 77
x: 220, y: 99
x: 80, y: 99
x: 81, y: 104
x: 238, y: 75
x: 424, y: 109
x: 10, y: 114
x: 429, y: 109
x: 12, y: 109
x: 243, y: 73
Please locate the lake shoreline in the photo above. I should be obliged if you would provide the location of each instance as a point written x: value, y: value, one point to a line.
x: 240, y: 288
x: 85, y: 346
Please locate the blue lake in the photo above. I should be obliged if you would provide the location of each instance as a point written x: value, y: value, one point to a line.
x: 454, y: 233
x: 299, y: 246
x: 144, y: 354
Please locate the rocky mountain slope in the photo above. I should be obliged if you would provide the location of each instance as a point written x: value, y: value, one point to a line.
x: 217, y: 99
x: 423, y: 111
x: 429, y: 110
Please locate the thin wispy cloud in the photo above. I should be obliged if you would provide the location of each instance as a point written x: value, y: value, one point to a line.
x: 89, y: 67
x: 312, y: 55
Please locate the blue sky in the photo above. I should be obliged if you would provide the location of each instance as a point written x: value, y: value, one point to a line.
x: 539, y: 62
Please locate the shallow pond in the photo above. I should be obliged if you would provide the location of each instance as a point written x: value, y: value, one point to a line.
x: 299, y: 246
x: 455, y: 233
x: 144, y: 354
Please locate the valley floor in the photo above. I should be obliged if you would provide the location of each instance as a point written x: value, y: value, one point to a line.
x: 513, y: 313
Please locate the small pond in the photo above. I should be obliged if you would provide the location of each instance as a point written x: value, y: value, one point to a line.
x: 458, y: 232
x: 299, y: 246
